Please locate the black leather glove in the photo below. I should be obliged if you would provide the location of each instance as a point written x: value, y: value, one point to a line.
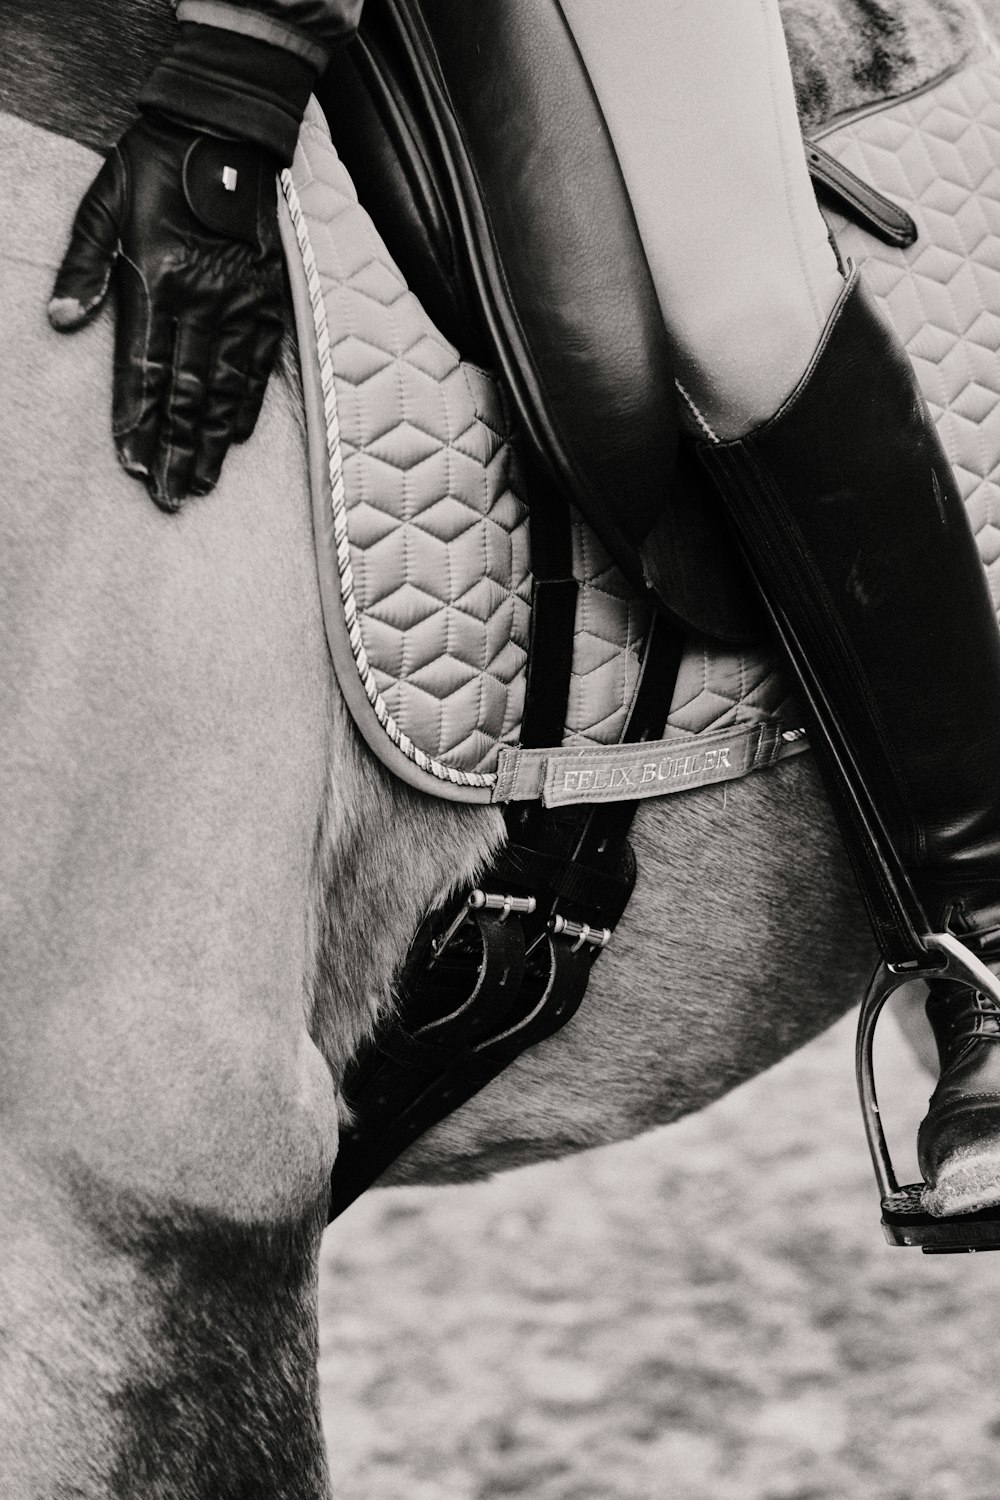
x: 184, y: 224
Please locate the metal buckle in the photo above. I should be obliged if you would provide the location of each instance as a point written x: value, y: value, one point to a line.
x: 477, y: 900
x: 904, y: 1220
x: 597, y: 937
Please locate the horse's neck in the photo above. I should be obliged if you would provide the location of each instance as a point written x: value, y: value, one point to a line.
x: 77, y: 69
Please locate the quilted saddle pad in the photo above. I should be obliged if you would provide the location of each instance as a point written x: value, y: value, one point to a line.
x: 420, y: 520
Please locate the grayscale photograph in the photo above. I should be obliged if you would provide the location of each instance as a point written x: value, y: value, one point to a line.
x: 499, y: 797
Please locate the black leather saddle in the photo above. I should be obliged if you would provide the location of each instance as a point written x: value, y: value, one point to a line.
x: 479, y: 148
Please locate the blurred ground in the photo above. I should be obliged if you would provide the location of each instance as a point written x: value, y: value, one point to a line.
x: 709, y: 1313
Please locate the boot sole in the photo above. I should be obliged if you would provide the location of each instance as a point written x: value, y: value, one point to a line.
x: 965, y: 1185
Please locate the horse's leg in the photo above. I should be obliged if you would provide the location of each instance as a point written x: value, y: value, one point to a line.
x: 166, y: 1122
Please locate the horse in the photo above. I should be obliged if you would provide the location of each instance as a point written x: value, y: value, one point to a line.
x: 208, y: 884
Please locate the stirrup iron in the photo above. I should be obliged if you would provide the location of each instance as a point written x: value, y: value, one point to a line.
x: 904, y: 1219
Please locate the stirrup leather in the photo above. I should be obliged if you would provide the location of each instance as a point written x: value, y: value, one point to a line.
x: 904, y: 1219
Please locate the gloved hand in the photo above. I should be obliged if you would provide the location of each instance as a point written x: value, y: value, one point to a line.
x: 184, y: 223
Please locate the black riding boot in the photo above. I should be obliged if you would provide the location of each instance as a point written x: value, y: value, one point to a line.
x: 847, y: 508
x: 958, y: 1141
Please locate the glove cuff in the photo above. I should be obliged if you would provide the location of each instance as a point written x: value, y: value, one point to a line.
x: 237, y: 85
x: 254, y: 22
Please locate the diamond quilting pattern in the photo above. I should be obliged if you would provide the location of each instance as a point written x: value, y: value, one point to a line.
x: 437, y: 526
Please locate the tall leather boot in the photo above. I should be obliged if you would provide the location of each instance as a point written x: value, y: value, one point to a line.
x: 847, y: 507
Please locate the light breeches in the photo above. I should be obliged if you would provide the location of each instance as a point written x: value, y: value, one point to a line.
x: 698, y: 98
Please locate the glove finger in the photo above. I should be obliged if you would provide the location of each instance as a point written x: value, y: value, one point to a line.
x: 265, y: 352
x: 81, y: 282
x: 144, y: 350
x: 227, y: 395
x: 184, y: 409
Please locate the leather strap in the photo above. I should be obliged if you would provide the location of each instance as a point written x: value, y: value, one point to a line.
x: 859, y: 200
x: 894, y: 911
x: 552, y: 636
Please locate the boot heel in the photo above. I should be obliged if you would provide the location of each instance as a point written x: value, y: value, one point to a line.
x: 904, y: 1219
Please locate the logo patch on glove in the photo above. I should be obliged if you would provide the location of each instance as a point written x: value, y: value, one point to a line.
x: 224, y: 183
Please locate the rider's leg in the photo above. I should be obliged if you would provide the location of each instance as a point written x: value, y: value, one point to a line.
x: 824, y: 451
x: 698, y: 99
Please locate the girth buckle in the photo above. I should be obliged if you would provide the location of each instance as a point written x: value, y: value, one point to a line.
x: 596, y: 937
x: 477, y: 900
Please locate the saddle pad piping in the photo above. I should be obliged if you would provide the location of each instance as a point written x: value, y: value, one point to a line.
x: 975, y: 51
x: 338, y: 512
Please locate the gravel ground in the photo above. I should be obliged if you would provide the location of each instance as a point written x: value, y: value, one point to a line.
x: 708, y: 1313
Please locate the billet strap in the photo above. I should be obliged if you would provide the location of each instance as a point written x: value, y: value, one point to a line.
x: 629, y: 772
x: 552, y: 636
x: 860, y: 201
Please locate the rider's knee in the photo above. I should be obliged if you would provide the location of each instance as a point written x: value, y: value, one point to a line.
x: 744, y: 346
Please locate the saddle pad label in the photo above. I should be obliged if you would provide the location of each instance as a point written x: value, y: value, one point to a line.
x: 627, y: 773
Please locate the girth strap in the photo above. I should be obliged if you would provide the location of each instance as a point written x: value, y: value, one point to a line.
x: 414, y: 1079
